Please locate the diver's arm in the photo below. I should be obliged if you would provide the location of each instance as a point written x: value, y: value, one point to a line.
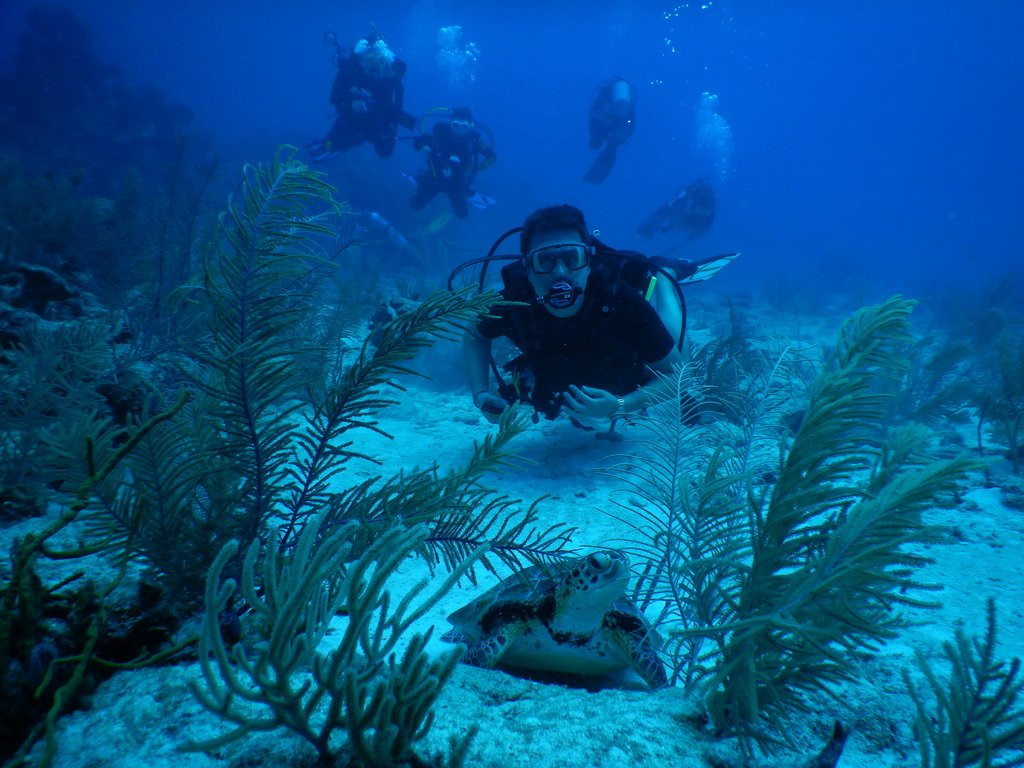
x: 595, y: 403
x: 476, y: 356
x: 666, y: 303
x: 476, y: 352
x: 341, y: 94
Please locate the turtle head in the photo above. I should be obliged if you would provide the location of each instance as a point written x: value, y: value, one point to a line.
x: 590, y: 588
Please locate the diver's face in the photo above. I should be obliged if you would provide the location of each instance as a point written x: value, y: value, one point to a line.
x: 460, y: 127
x: 555, y: 260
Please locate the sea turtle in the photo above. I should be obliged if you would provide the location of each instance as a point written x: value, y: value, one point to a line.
x: 570, y: 618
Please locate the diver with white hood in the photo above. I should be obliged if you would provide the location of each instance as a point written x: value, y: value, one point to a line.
x: 367, y: 94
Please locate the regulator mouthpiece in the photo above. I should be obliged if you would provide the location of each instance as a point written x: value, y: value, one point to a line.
x: 562, y: 295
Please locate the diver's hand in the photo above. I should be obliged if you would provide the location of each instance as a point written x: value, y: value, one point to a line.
x: 454, y: 159
x: 490, y: 405
x: 589, y: 402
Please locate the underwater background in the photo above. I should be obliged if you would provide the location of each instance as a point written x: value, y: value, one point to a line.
x: 872, y: 142
x: 858, y: 151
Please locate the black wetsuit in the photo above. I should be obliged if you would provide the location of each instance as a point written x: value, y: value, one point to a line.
x: 609, y: 344
x: 383, y: 97
x: 609, y: 129
x: 605, y: 124
x: 691, y: 210
x: 453, y: 177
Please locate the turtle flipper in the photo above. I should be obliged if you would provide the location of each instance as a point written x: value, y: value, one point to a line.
x: 640, y: 647
x: 649, y: 667
x: 455, y: 635
x: 489, y: 651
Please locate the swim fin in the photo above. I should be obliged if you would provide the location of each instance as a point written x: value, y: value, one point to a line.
x: 440, y: 222
x: 320, y: 150
x: 480, y: 200
x: 694, y: 271
x: 602, y: 165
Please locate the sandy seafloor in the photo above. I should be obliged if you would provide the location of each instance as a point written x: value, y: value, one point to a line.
x: 141, y: 717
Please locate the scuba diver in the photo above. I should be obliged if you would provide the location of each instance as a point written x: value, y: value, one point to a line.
x: 456, y: 151
x: 590, y: 341
x: 367, y: 95
x: 593, y: 325
x: 691, y: 210
x: 612, y: 115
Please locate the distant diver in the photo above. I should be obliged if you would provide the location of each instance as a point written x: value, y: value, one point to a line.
x: 457, y: 149
x: 691, y: 210
x: 367, y: 95
x: 612, y: 117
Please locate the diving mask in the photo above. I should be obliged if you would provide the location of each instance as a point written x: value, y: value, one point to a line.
x: 573, y: 255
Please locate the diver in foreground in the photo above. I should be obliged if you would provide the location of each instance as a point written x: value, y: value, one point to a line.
x: 691, y: 210
x: 589, y: 338
x: 612, y: 117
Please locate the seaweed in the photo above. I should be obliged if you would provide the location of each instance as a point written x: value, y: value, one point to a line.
x: 830, y: 558
x: 791, y: 571
x: 51, y: 380
x: 24, y: 599
x: 936, y: 388
x: 361, y: 686
x: 333, y: 551
x: 975, y: 717
x: 249, y: 465
x: 690, y: 495
x: 685, y: 505
x: 259, y: 443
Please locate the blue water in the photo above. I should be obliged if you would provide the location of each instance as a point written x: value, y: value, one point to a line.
x: 869, y: 143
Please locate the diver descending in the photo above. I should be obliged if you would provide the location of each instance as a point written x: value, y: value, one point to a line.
x: 367, y: 95
x: 691, y: 210
x: 456, y: 151
x: 612, y: 118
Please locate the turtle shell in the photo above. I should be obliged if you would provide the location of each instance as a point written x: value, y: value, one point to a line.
x: 570, y: 618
